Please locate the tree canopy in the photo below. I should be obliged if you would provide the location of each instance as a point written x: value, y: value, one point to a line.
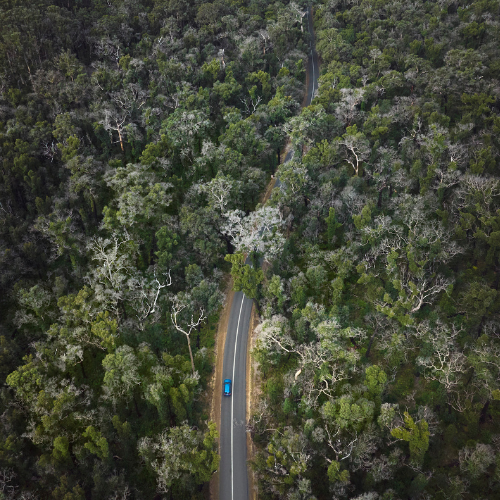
x: 129, y: 133
x: 378, y: 346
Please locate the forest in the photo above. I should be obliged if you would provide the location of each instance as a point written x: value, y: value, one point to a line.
x: 379, y: 347
x: 137, y: 138
x: 128, y: 130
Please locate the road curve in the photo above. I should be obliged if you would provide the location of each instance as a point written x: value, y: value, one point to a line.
x: 233, y: 477
x: 313, y: 62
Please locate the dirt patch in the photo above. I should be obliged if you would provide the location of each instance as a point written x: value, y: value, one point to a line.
x: 253, y: 392
x: 268, y: 191
x: 306, y: 93
x: 214, y: 395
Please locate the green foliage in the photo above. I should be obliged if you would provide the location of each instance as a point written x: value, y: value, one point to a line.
x: 105, y: 329
x: 350, y: 413
x: 26, y: 380
x: 97, y: 443
x: 332, y: 226
x: 60, y: 453
x: 182, y: 453
x: 65, y: 492
x: 119, y: 164
x: 127, y: 133
x: 417, y: 436
x: 166, y: 242
x: 335, y: 474
x: 375, y: 380
x: 275, y: 289
x: 246, y: 278
x: 364, y: 218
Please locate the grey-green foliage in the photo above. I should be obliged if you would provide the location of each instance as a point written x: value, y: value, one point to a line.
x: 392, y: 202
x: 128, y: 131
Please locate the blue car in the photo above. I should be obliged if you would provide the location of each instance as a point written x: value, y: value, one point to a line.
x: 227, y: 387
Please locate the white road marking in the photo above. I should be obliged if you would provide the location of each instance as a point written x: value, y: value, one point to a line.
x: 312, y: 58
x: 232, y: 398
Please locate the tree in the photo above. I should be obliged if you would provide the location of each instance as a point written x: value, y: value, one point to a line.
x: 123, y: 146
x: 181, y: 303
x: 414, y: 248
x: 475, y: 461
x: 118, y: 116
x: 358, y: 148
x: 221, y: 191
x: 246, y: 278
x: 417, y: 434
x: 125, y: 370
x: 142, y: 197
x: 447, y: 364
x: 375, y: 380
x: 146, y: 295
x: 109, y: 279
x: 332, y: 226
x: 96, y: 443
x: 313, y: 124
x: 293, y: 178
x: 257, y: 232
x: 288, y: 456
x: 171, y: 388
x: 180, y: 454
x: 336, y: 474
x: 347, y: 110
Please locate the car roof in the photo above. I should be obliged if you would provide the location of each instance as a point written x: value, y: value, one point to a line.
x: 227, y: 380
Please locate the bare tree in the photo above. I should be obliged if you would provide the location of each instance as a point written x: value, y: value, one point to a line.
x: 180, y: 304
x: 120, y: 116
x: 359, y: 149
x: 146, y: 294
x: 7, y: 488
x: 323, y: 363
x: 220, y: 190
x: 299, y: 13
x: 264, y: 34
x: 447, y: 364
x: 106, y: 47
x: 251, y: 104
x: 347, y: 108
x: 407, y: 245
x: 110, y: 279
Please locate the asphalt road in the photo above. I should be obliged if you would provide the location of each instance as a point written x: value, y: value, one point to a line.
x: 233, y: 477
x: 313, y: 62
x: 233, y: 441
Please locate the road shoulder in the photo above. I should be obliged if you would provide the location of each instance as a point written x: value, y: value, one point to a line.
x: 253, y: 392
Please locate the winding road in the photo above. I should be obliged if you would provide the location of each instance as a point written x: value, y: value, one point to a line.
x: 233, y: 477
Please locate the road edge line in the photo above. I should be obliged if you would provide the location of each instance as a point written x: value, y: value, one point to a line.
x: 232, y: 398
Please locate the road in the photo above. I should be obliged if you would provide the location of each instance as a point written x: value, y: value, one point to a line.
x: 233, y: 477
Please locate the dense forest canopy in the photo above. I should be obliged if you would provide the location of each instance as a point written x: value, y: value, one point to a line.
x: 136, y: 139
x: 128, y: 130
x: 379, y: 349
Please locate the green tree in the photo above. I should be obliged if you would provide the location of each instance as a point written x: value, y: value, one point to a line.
x: 246, y: 278
x: 417, y: 434
x: 375, y: 380
x: 179, y: 454
x: 97, y: 443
